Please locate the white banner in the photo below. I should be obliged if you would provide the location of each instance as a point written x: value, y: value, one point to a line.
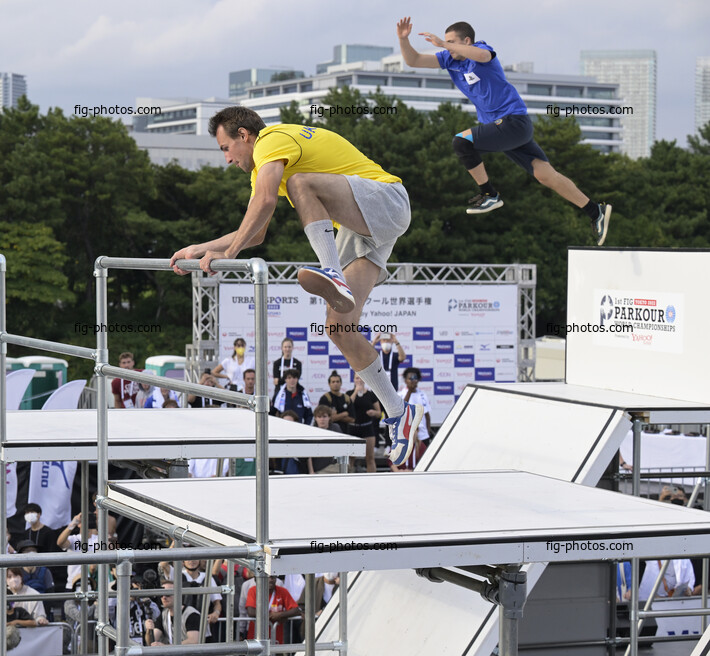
x: 675, y: 626
x: 11, y: 488
x: 662, y: 295
x: 455, y: 334
x: 39, y: 641
x: 50, y: 486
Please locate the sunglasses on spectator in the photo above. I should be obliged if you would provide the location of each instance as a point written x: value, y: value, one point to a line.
x: 412, y: 377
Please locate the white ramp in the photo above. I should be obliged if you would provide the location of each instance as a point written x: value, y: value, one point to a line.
x: 703, y: 646
x: 397, y: 612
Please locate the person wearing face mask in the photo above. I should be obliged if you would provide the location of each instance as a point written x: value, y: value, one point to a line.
x: 392, y: 355
x: 41, y: 535
x: 17, y: 587
x: 232, y: 368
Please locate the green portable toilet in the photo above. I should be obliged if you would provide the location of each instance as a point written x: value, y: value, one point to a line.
x: 11, y: 364
x: 171, y: 366
x: 50, y: 374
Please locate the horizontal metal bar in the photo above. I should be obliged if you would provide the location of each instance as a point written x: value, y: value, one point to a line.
x: 243, y: 647
x: 227, y: 396
x: 691, y: 612
x: 155, y: 264
x: 46, y: 345
x: 434, y: 573
x: 319, y: 646
x: 170, y: 529
x: 662, y: 474
x: 133, y: 555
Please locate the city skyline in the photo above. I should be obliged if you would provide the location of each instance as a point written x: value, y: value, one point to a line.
x: 107, y: 55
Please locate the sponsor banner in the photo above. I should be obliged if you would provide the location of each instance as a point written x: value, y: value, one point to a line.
x: 464, y: 361
x: 427, y: 375
x: 440, y: 404
x: 423, y: 334
x: 463, y: 376
x: 318, y: 348
x: 656, y: 320
x: 443, y: 329
x: 337, y: 362
x: 444, y: 374
x: 506, y: 374
x: 443, y: 388
x: 485, y: 374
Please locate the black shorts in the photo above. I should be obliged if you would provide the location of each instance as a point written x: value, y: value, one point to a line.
x: 512, y: 135
x: 362, y: 430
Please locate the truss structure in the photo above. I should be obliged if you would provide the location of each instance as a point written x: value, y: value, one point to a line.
x: 204, y: 350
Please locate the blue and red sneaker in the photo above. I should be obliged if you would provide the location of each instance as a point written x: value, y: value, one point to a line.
x: 402, y: 432
x: 329, y: 285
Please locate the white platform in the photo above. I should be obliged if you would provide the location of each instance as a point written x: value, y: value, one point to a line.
x: 659, y: 410
x: 429, y: 519
x: 570, y: 441
x: 34, y: 435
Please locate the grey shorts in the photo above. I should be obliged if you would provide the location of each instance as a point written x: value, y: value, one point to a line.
x: 385, y: 208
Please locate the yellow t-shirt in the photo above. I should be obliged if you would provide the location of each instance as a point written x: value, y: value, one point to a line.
x: 306, y: 149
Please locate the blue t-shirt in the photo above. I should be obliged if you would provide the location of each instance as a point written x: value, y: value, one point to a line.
x: 484, y: 84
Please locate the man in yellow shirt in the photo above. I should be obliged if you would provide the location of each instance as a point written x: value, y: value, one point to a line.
x: 326, y: 179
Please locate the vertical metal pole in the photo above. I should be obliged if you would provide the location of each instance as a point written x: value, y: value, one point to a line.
x: 205, y: 605
x: 310, y: 618
x: 123, y: 609
x: 343, y: 589
x: 177, y: 596
x: 611, y: 645
x: 512, y: 594
x: 706, y: 507
x: 636, y: 474
x: 101, y: 276
x: 3, y: 464
x: 230, y: 602
x: 84, y: 536
x: 633, y: 647
x: 260, y: 278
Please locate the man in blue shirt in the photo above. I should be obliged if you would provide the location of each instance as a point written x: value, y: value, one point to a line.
x: 504, y: 124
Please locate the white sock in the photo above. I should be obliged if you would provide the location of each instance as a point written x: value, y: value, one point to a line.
x: 378, y: 380
x: 321, y: 236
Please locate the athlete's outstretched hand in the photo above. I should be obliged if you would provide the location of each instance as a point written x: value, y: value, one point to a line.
x: 433, y: 39
x: 404, y: 28
x: 187, y: 253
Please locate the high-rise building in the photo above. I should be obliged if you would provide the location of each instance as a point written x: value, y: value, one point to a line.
x: 702, y: 92
x: 347, y: 53
x: 596, y: 103
x: 635, y: 73
x: 12, y: 86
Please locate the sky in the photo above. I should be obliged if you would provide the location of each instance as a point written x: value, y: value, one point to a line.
x: 109, y: 53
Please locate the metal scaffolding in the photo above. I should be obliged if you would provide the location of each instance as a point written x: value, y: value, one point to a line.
x: 257, y: 272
